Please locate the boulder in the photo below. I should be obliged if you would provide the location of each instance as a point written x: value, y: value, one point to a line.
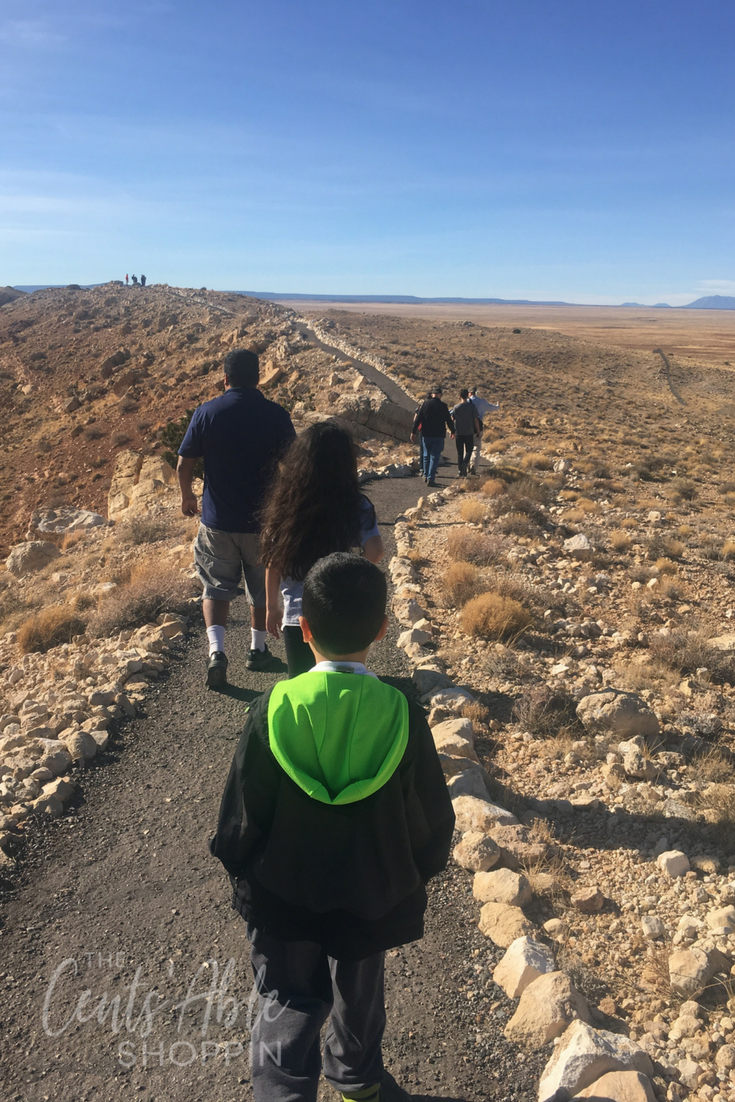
x: 504, y: 924
x: 517, y: 850
x: 480, y: 815
x: 81, y: 745
x: 673, y: 863
x: 502, y: 886
x: 652, y: 927
x: 524, y: 961
x: 476, y: 852
x: 450, y: 743
x: 619, y: 1086
x: 588, y: 900
x: 613, y: 711
x: 722, y: 917
x: 579, y: 547
x: 584, y: 1055
x: 55, y: 757
x: 138, y: 483
x: 469, y: 782
x: 690, y: 970
x: 413, y: 635
x: 27, y: 558
x: 548, y: 1005
x: 426, y: 679
x: 64, y: 519
x: 448, y: 729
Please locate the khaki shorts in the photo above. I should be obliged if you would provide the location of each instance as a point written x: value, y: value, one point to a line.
x: 223, y: 559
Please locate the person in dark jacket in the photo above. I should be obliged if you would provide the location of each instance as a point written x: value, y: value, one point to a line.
x: 334, y: 817
x: 467, y: 425
x: 432, y: 420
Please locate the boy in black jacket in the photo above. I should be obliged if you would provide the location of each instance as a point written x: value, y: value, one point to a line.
x: 334, y: 817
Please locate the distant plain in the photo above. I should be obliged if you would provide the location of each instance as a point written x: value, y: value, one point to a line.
x: 700, y: 334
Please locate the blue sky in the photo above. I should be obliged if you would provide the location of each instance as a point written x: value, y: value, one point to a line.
x: 534, y: 149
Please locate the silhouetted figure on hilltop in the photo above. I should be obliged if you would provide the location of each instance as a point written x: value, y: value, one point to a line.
x: 135, y: 281
x: 126, y: 280
x: 142, y: 281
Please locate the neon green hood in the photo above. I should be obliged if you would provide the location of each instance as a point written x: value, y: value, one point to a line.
x: 339, y: 736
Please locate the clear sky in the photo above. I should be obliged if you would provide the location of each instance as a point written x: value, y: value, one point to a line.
x: 546, y: 149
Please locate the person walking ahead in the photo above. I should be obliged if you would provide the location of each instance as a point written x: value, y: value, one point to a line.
x: 467, y: 426
x: 432, y: 419
x: 240, y: 435
x: 334, y: 817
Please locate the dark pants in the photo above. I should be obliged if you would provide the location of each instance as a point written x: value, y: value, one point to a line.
x: 464, y: 451
x: 299, y: 988
x: 299, y: 654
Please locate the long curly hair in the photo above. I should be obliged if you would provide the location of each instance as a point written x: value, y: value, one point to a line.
x: 313, y: 506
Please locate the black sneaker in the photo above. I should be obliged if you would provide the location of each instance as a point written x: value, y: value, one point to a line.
x: 259, y: 659
x: 390, y: 1091
x: 217, y: 670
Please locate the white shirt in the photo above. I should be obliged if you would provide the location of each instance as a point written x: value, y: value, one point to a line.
x: 483, y: 406
x: 337, y: 667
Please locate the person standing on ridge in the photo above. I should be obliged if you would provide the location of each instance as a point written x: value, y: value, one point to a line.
x: 142, y: 281
x: 434, y: 419
x: 126, y: 279
x: 483, y: 407
x: 467, y: 426
x: 240, y: 436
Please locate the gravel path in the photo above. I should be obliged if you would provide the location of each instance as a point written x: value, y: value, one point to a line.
x: 124, y: 887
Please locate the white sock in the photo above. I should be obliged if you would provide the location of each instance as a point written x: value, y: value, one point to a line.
x: 257, y: 639
x: 216, y: 636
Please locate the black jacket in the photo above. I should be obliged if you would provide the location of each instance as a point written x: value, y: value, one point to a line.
x: 361, y: 867
x: 433, y: 418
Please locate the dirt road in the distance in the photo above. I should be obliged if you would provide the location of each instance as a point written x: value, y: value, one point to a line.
x: 121, y: 899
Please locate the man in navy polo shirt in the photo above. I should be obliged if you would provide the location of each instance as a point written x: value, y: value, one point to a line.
x: 240, y: 435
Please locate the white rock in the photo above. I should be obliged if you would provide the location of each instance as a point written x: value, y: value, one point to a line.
x: 476, y: 852
x: 721, y: 917
x: 502, y: 886
x: 612, y: 711
x: 673, y: 863
x: 619, y: 1086
x: 470, y: 782
x: 579, y: 547
x: 585, y: 1054
x: 690, y: 970
x: 65, y: 519
x: 450, y: 729
x: 652, y: 927
x: 480, y: 815
x: 26, y: 558
x: 413, y: 635
x: 504, y: 924
x: 524, y: 961
x: 547, y: 1006
x: 448, y: 698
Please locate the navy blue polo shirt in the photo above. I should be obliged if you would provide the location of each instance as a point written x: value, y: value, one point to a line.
x: 240, y: 435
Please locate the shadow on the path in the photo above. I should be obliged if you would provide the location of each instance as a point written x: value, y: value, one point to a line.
x: 238, y: 692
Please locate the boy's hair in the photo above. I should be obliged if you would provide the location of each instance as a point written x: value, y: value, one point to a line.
x: 464, y: 393
x: 344, y: 603
x: 242, y: 368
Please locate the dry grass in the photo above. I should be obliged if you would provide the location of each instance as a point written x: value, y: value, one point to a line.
x: 479, y: 548
x: 492, y: 616
x: 628, y: 523
x: 518, y: 524
x: 49, y: 628
x: 712, y: 767
x: 536, y: 461
x: 685, y: 531
x: 721, y: 799
x: 547, y: 714
x: 473, y: 511
x: 152, y: 589
x: 728, y: 550
x: 687, y: 652
x: 144, y: 529
x: 620, y: 541
x: 666, y: 566
x: 462, y: 581
x: 493, y: 487
x: 476, y: 712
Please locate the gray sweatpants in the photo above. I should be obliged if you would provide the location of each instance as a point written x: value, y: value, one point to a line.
x: 299, y: 987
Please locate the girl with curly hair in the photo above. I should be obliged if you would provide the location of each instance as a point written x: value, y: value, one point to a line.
x: 313, y: 507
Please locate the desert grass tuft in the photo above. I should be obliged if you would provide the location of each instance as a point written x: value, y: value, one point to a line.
x: 480, y: 548
x: 491, y: 616
x: 492, y: 487
x: 462, y: 581
x: 151, y: 590
x: 473, y: 511
x: 49, y: 628
x: 620, y: 541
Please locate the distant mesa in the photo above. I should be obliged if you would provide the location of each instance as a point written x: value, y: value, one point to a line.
x: 642, y: 305
x: 273, y: 296
x: 712, y: 302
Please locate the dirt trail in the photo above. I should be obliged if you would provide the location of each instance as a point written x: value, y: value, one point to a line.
x: 124, y: 887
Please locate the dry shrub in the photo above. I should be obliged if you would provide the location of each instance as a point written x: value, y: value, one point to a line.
x: 712, y: 767
x: 71, y: 539
x: 568, y: 495
x: 462, y: 581
x: 84, y: 601
x: 477, y: 713
x: 473, y: 511
x: 687, y: 652
x: 587, y: 505
x: 518, y: 524
x: 492, y: 487
x: 666, y: 566
x: 629, y: 522
x: 547, y: 713
x: 479, y: 548
x: 143, y: 529
x: 152, y: 589
x: 728, y: 550
x: 670, y: 589
x: 491, y: 616
x: 574, y: 516
x: 662, y: 546
x: 685, y: 531
x: 726, y: 488
x: 721, y: 799
x: 536, y: 461
x: 620, y: 541
x: 684, y: 488
x: 49, y: 628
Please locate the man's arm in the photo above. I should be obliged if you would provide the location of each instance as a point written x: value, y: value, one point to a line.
x: 185, y: 475
x: 272, y: 602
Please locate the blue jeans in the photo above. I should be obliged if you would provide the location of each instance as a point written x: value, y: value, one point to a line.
x: 433, y: 448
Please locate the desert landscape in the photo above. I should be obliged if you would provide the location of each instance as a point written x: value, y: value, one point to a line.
x: 566, y: 617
